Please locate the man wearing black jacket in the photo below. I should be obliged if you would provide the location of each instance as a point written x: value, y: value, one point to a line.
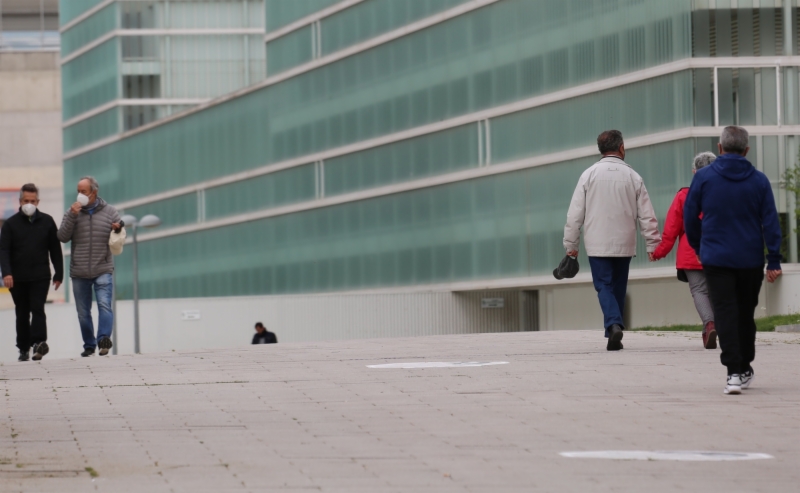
x: 27, y: 239
x: 263, y: 336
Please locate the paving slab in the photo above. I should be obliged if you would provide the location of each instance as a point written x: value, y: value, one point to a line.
x: 315, y: 417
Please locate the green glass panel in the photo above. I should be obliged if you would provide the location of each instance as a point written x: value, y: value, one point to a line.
x: 504, y: 52
x: 374, y: 17
x: 506, y: 225
x: 91, y: 129
x: 661, y: 104
x: 70, y: 9
x: 88, y: 30
x: 261, y: 192
x: 282, y: 12
x: 434, y: 154
x: 289, y: 51
x: 91, y: 79
x: 175, y: 211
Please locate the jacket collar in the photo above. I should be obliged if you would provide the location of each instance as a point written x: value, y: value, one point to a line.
x: 98, y: 205
x: 613, y: 159
x: 30, y: 219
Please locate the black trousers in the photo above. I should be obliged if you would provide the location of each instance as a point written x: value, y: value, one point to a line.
x: 29, y: 299
x: 734, y: 297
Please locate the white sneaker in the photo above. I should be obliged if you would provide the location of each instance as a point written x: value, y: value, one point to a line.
x: 734, y: 385
x: 747, y: 378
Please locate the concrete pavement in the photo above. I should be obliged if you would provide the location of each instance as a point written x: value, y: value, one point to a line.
x: 314, y: 417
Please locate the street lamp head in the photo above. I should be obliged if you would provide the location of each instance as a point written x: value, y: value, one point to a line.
x: 150, y: 221
x: 129, y: 220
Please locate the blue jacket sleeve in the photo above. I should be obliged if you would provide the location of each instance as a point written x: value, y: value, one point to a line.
x: 691, y: 215
x: 771, y: 227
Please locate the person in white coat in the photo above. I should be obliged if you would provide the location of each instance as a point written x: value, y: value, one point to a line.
x: 610, y: 203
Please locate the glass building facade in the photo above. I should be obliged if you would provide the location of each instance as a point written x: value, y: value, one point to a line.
x: 127, y: 63
x: 401, y: 143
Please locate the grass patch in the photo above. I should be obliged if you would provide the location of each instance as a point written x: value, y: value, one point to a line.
x: 92, y: 472
x: 766, y: 324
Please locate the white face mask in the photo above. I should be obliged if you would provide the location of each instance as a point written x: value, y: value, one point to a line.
x: 83, y: 200
x: 28, y: 209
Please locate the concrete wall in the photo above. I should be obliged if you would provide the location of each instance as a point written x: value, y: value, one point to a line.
x: 30, y: 125
x: 30, y: 131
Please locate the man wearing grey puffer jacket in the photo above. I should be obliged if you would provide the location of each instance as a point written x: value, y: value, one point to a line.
x: 88, y: 225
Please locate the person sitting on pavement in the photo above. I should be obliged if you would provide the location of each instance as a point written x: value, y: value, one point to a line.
x: 739, y: 218
x: 88, y: 224
x: 609, y: 203
x: 689, y: 267
x: 263, y: 336
x: 28, y: 244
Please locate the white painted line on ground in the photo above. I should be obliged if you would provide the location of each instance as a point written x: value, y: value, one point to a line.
x: 674, y: 455
x: 439, y: 364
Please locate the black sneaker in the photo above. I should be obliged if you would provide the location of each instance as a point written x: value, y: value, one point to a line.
x: 24, y: 355
x: 614, y: 338
x: 104, y: 344
x: 39, y: 350
x: 87, y: 352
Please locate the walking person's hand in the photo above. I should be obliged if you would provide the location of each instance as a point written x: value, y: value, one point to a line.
x: 773, y: 274
x: 75, y: 208
x: 652, y: 257
x: 56, y: 285
x: 572, y: 253
x: 8, y: 282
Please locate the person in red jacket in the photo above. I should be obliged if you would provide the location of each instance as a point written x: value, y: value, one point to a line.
x: 689, y: 268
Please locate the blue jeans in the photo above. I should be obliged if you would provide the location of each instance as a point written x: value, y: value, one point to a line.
x: 103, y: 290
x: 610, y: 278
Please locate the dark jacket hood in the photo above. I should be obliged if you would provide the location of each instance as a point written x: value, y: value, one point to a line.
x: 733, y: 167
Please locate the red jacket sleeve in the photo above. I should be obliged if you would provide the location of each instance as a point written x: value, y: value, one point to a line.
x: 673, y: 227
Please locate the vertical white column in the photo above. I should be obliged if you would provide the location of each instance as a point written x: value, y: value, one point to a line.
x: 716, y: 97
x: 790, y: 147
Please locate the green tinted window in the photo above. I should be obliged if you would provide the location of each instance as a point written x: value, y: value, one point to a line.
x: 429, y: 155
x: 176, y: 211
x: 70, y: 9
x: 89, y: 30
x: 661, y: 104
x: 283, y: 12
x: 289, y: 51
x: 91, y: 129
x: 261, y: 192
x: 371, y: 18
x: 91, y: 79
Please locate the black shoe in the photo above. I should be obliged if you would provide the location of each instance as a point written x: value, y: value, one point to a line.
x: 104, y: 344
x: 24, y: 355
x: 39, y: 350
x: 614, y: 338
x: 87, y: 352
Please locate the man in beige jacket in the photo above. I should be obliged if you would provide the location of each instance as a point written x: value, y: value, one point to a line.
x: 610, y: 202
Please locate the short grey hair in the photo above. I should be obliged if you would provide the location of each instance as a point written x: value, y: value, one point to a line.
x: 28, y: 187
x: 734, y: 139
x: 93, y: 185
x: 702, y: 160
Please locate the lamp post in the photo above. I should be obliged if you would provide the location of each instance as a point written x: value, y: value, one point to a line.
x: 148, y: 221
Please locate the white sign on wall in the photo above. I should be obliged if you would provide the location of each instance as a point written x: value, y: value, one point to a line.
x: 493, y: 303
x: 190, y: 315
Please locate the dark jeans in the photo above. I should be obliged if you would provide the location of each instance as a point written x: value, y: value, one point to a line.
x: 29, y: 299
x: 610, y: 277
x: 734, y: 297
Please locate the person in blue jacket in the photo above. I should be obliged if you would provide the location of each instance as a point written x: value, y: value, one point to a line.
x: 738, y: 218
